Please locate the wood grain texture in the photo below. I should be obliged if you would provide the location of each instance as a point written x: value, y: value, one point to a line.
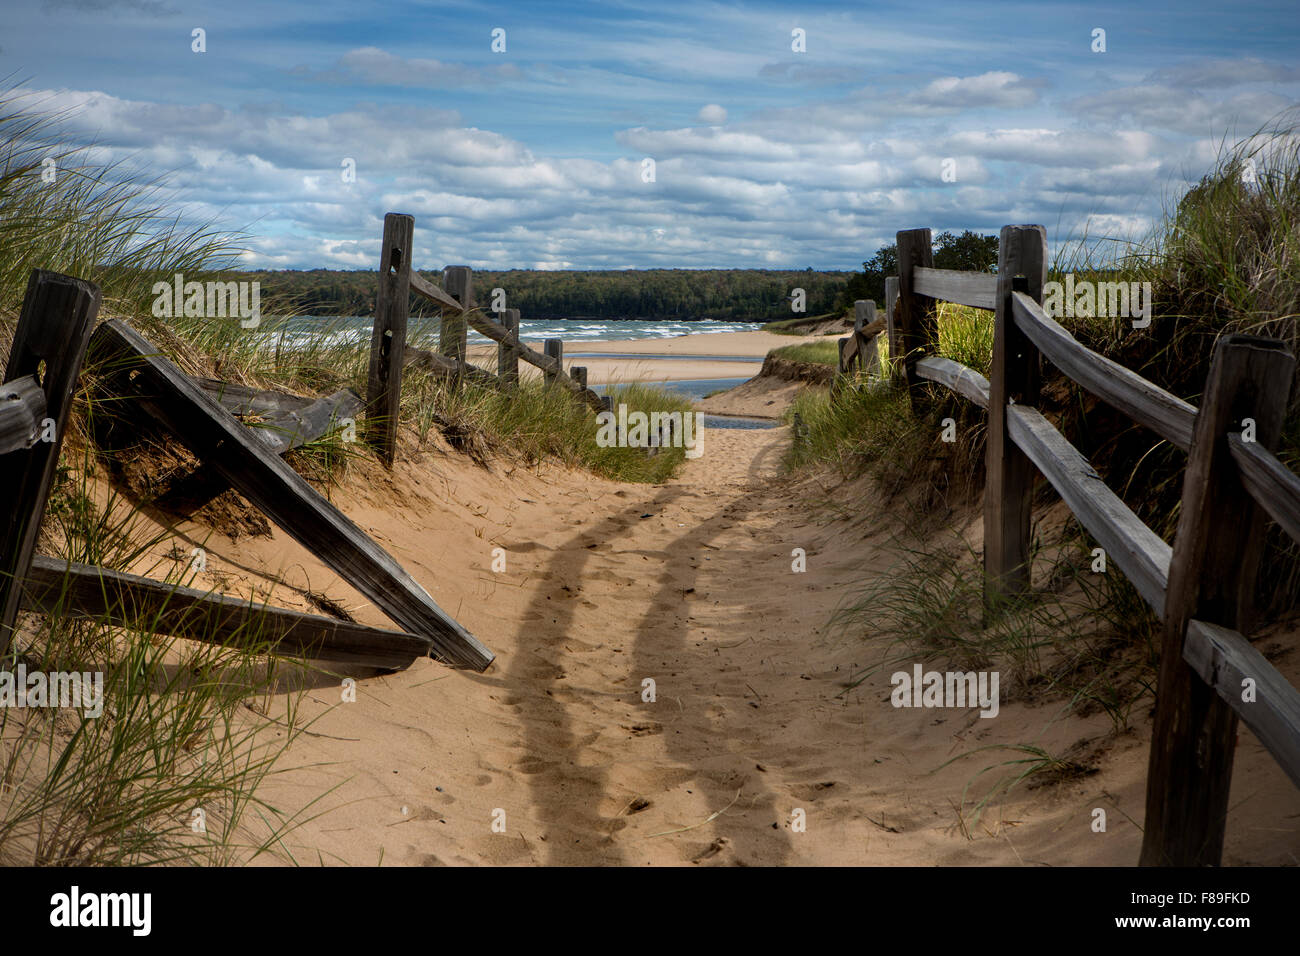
x: 69, y: 589
x: 892, y: 341
x: 507, y: 354
x: 916, y: 327
x: 425, y: 288
x: 1274, y: 486
x: 445, y: 367
x: 966, y: 382
x: 1137, y: 550
x: 388, y: 339
x: 1147, y: 404
x: 1211, y: 578
x: 1014, y: 377
x: 49, y: 345
x: 1224, y: 660
x: 287, y: 421
x: 976, y: 289
x: 22, y: 408
x: 453, y: 337
x: 225, y: 445
x: 555, y: 352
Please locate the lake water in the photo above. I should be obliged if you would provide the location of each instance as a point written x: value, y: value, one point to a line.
x: 357, y: 329
x: 695, y: 389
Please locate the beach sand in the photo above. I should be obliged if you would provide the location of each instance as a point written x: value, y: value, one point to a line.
x: 635, y: 359
x: 756, y: 746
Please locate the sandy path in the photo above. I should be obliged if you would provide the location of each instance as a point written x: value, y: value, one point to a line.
x: 688, y: 584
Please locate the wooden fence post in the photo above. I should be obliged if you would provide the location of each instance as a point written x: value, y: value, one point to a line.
x: 53, y: 330
x: 916, y: 321
x: 555, y: 349
x: 864, y: 313
x: 458, y: 281
x: 891, y: 329
x: 579, y: 374
x: 1009, y: 478
x: 1211, y: 578
x: 507, y: 356
x: 388, y: 341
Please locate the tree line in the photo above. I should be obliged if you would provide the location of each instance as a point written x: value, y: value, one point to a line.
x: 968, y: 252
x: 757, y: 295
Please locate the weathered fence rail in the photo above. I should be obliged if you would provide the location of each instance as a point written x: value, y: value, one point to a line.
x: 50, y: 342
x: 53, y: 331
x: 389, y: 352
x: 1201, y: 587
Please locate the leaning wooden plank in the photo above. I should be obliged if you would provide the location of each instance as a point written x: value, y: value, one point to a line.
x: 259, y: 475
x: 53, y: 330
x: 966, y: 382
x: 22, y: 408
x: 976, y: 289
x: 246, y: 400
x: 55, y: 586
x: 434, y: 294
x: 288, y: 421
x: 297, y: 428
x: 1274, y: 486
x: 1139, y: 551
x: 1167, y: 415
x: 1225, y: 660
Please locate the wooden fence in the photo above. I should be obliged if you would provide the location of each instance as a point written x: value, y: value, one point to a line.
x: 1201, y: 587
x: 54, y: 332
x: 389, y: 353
x: 50, y: 342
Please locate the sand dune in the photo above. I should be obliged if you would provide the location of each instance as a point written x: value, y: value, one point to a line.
x: 752, y: 728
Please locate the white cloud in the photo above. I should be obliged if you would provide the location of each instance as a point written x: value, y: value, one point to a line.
x: 713, y: 114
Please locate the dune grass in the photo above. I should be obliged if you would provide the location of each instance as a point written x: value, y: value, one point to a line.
x: 1224, y: 260
x: 796, y: 326
x: 170, y: 771
x: 818, y: 353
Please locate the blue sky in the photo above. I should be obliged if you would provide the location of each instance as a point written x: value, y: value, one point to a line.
x: 763, y: 156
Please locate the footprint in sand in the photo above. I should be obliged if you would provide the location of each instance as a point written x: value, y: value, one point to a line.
x: 712, y: 850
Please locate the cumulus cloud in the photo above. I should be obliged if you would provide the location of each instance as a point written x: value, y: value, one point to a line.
x: 825, y: 182
x: 713, y: 114
x: 1166, y: 107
